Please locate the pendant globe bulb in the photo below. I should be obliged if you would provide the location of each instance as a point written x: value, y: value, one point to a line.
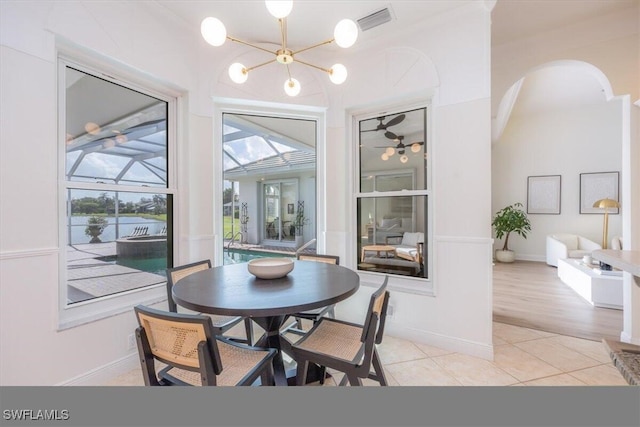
x: 384, y: 157
x: 345, y: 33
x: 279, y: 9
x: 404, y: 158
x: 415, y: 147
x: 238, y: 73
x: 292, y: 87
x: 213, y: 31
x: 390, y: 151
x: 338, y: 74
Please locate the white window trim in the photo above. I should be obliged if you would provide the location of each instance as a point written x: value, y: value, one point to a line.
x: 110, y: 305
x: 400, y: 283
x: 287, y: 111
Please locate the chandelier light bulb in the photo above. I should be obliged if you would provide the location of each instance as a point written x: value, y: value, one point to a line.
x: 390, y: 151
x: 384, y: 157
x: 213, y: 31
x: 415, y: 147
x: 404, y: 158
x: 292, y: 87
x: 345, y: 33
x: 279, y: 9
x: 238, y: 73
x: 338, y: 74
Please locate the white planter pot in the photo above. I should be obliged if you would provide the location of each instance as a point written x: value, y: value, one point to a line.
x: 505, y: 256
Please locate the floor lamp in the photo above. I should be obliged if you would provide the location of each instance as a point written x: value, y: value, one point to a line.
x: 605, y: 204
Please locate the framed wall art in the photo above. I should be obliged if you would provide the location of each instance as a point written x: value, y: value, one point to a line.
x: 543, y: 194
x: 595, y: 186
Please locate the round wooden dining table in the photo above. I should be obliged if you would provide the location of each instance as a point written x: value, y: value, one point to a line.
x: 232, y: 290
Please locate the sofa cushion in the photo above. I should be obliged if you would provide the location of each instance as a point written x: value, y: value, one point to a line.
x: 412, y: 239
x: 578, y: 253
x: 410, y: 253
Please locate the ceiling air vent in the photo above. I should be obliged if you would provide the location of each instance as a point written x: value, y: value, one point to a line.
x: 373, y: 20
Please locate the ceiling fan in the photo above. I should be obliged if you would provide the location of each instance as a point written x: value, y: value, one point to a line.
x: 400, y: 147
x: 383, y: 126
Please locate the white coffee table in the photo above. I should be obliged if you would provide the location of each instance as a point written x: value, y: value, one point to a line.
x: 599, y: 290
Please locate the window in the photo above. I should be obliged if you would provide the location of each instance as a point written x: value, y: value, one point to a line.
x: 269, y: 194
x: 393, y: 195
x: 118, y: 203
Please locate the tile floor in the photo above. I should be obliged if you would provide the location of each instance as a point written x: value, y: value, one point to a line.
x: 522, y: 357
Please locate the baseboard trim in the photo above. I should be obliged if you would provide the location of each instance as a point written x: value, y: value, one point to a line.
x: 28, y: 253
x: 103, y: 374
x: 445, y: 342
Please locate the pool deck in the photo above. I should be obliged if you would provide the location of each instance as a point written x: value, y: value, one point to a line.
x: 89, y: 277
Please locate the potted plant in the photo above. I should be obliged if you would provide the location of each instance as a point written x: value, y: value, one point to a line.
x: 507, y: 220
x: 298, y: 223
x: 95, y: 227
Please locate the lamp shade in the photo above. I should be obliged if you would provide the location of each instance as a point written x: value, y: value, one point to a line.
x: 292, y: 87
x: 238, y: 73
x: 213, y: 31
x: 606, y: 203
x: 345, y: 33
x: 338, y: 74
x: 279, y: 9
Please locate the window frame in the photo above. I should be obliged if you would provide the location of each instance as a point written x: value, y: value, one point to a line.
x: 79, y: 313
x: 415, y: 285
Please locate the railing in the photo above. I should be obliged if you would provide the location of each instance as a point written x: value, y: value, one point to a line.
x: 233, y: 237
x: 306, y: 245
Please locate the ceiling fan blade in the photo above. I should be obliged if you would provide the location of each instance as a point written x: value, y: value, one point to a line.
x: 395, y: 120
x: 391, y: 135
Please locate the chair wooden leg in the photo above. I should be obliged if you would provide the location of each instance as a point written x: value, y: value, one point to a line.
x: 248, y: 328
x: 301, y: 372
x: 354, y: 380
x: 377, y: 366
x: 267, y: 378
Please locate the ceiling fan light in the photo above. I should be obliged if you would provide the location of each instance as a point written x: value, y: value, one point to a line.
x: 213, y: 31
x: 279, y: 9
x: 345, y: 33
x: 238, y: 73
x: 338, y: 74
x: 390, y: 151
x: 384, y: 157
x: 404, y: 158
x: 292, y: 87
x: 415, y: 147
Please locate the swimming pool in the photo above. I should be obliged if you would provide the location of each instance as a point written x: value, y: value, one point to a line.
x: 236, y: 256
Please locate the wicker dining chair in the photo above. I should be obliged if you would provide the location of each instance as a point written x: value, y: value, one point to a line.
x: 315, y: 314
x: 346, y: 347
x: 194, y: 355
x: 221, y: 324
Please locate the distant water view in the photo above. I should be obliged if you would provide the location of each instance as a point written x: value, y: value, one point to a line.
x: 125, y: 226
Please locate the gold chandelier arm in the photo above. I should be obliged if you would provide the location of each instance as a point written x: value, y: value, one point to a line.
x: 314, y: 66
x: 259, y: 65
x: 283, y: 32
x: 233, y: 39
x: 314, y: 46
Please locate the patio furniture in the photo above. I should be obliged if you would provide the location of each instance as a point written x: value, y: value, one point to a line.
x: 269, y: 302
x: 194, y: 355
x: 345, y: 346
x: 221, y: 324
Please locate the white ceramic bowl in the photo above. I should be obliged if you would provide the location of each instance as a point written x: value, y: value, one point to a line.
x: 270, y: 268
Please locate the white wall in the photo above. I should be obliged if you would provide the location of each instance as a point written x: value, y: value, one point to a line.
x: 557, y: 142
x: 456, y: 44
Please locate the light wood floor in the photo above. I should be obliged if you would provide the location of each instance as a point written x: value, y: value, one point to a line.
x: 530, y: 294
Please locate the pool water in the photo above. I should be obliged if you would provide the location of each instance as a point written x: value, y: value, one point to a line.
x: 236, y: 256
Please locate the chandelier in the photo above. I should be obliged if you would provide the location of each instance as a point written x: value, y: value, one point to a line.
x: 345, y: 35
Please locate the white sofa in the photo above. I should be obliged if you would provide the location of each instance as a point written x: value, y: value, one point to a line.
x: 565, y: 245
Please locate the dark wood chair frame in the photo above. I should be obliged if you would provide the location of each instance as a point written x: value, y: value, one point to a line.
x: 209, y: 360
x: 219, y: 329
x: 360, y: 366
x: 313, y: 315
